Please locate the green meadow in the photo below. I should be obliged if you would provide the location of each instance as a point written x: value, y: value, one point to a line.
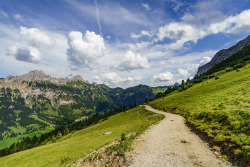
x: 218, y: 107
x: 70, y: 148
x: 8, y: 142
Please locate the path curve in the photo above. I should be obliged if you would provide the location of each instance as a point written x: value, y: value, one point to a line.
x: 170, y: 143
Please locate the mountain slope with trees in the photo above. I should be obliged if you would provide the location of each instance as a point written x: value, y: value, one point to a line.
x: 72, y: 145
x: 36, y: 101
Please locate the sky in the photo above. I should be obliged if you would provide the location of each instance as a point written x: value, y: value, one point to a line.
x: 119, y: 43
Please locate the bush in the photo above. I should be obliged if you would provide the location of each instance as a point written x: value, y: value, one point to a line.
x: 123, y: 137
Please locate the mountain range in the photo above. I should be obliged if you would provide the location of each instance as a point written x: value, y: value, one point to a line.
x: 34, y: 101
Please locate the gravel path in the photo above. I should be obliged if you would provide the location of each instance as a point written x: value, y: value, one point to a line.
x: 171, y: 144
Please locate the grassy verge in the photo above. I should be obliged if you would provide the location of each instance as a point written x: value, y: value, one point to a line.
x: 74, y: 146
x: 114, y: 154
x: 218, y: 107
x: 10, y: 141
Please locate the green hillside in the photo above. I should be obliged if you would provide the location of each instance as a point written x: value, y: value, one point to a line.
x: 218, y: 107
x: 21, y: 115
x: 75, y: 145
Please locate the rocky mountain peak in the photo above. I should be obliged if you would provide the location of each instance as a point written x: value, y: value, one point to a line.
x: 36, y: 72
x: 35, y: 75
x: 223, y: 54
x: 77, y: 78
x: 39, y: 75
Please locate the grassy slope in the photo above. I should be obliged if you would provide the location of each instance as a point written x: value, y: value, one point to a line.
x: 218, y: 107
x: 10, y: 141
x: 38, y: 119
x: 80, y: 143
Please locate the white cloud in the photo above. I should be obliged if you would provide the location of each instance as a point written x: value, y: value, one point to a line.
x: 3, y: 14
x: 205, y: 60
x: 139, y: 45
x: 84, y: 51
x: 18, y: 17
x: 112, y: 79
x: 187, y: 30
x: 142, y: 33
x: 146, y: 6
x: 182, y: 72
x: 233, y: 24
x: 163, y: 77
x: 135, y: 36
x: 177, y: 5
x: 35, y: 37
x: 113, y: 14
x: 17, y: 49
x: 181, y: 32
x: 98, y: 17
x: 133, y: 61
x: 29, y: 54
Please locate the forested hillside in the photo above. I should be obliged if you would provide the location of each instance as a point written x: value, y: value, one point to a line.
x: 37, y: 101
x: 67, y: 148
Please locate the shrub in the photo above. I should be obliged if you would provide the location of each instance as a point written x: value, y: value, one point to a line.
x: 123, y: 137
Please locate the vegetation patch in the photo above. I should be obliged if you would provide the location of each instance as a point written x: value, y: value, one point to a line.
x: 10, y: 141
x: 75, y: 145
x: 114, y: 154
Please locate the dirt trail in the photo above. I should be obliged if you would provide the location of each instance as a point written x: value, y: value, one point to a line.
x: 171, y: 144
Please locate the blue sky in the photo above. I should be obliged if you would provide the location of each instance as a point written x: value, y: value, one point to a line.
x: 120, y: 43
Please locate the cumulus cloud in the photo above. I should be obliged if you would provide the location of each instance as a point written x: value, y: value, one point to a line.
x: 30, y: 41
x: 35, y: 37
x: 183, y: 73
x: 180, y: 32
x: 139, y: 45
x: 84, y: 51
x: 133, y: 61
x: 29, y: 54
x: 112, y: 79
x: 233, y: 24
x: 34, y: 45
x: 187, y: 30
x: 142, y: 33
x: 163, y: 77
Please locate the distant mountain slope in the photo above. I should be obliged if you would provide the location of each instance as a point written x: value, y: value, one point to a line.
x: 223, y: 55
x: 27, y: 102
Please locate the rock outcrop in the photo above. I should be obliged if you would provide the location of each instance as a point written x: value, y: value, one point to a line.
x: 40, y: 76
x: 223, y: 54
x: 22, y: 83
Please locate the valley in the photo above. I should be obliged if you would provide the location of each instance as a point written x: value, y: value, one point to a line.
x: 75, y: 145
x: 49, y: 121
x: 36, y: 101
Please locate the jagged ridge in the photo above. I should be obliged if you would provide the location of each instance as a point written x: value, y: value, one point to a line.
x: 39, y: 75
x: 223, y: 54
